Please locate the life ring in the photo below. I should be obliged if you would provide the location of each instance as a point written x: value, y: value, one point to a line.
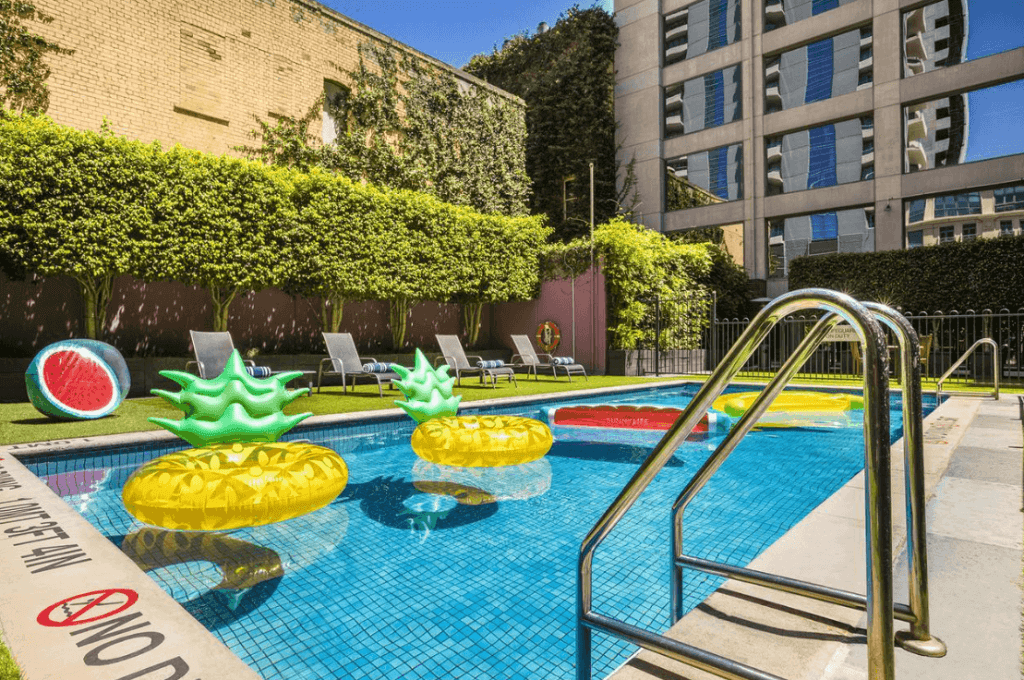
x: 548, y: 336
x: 797, y: 408
x: 229, y: 486
x: 481, y: 441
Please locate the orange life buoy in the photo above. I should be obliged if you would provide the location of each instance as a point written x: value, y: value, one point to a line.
x: 548, y: 336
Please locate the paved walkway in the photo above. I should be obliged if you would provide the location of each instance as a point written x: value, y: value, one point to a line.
x: 973, y: 461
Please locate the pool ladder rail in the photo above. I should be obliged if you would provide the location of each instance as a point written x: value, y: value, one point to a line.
x: 867, y: 320
x: 996, y: 364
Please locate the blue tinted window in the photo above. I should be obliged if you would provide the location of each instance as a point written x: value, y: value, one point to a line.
x: 824, y: 226
x: 776, y: 229
x: 915, y: 239
x: 820, y: 6
x: 917, y: 210
x: 822, y: 170
x: 819, y: 71
x: 718, y: 161
x: 1009, y: 198
x: 718, y: 33
x: 952, y: 205
x: 714, y: 105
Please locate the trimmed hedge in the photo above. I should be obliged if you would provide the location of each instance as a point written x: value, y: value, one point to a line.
x: 982, y: 274
x: 93, y: 206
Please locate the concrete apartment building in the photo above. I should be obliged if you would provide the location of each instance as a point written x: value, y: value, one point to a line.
x: 196, y: 72
x: 821, y: 126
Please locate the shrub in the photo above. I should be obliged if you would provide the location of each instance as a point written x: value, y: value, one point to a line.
x: 640, y: 264
x: 982, y: 274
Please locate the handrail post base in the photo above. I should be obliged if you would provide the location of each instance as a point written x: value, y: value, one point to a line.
x: 929, y: 646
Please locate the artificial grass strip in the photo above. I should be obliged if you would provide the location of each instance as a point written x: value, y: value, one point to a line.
x: 21, y: 423
x: 8, y: 669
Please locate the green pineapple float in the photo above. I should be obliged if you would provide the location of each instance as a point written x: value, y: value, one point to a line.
x: 445, y: 438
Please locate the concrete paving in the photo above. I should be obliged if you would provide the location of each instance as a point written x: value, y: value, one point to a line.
x: 973, y: 461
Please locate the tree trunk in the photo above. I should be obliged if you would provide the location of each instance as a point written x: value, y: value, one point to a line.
x: 331, y: 310
x: 399, y: 317
x: 96, y: 292
x: 222, y: 298
x: 471, y: 312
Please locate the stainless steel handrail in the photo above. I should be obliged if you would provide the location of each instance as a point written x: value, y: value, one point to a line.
x: 995, y: 365
x: 878, y: 601
x: 918, y: 639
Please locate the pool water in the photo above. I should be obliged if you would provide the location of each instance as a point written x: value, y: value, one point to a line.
x: 422, y: 571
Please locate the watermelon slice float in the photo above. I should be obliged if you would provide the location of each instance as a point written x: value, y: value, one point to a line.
x: 77, y: 380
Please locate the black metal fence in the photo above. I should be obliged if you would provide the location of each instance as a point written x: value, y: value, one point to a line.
x: 945, y: 336
x: 676, y: 334
x: 944, y: 339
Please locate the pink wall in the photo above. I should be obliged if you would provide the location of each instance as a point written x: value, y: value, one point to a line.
x: 154, y: 319
x: 555, y: 304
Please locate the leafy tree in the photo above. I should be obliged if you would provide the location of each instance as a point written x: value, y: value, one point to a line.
x: 566, y: 76
x: 340, y: 247
x: 500, y: 264
x: 23, y: 69
x: 639, y: 264
x: 728, y: 279
x: 220, y: 223
x: 75, y: 204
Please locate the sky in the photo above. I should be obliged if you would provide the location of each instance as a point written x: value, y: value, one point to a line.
x: 455, y: 30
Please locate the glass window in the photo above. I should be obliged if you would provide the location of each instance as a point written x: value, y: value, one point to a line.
x: 969, y: 232
x: 915, y: 239
x: 946, y: 234
x: 819, y: 157
x: 704, y: 178
x: 821, y: 70
x: 936, y: 36
x: 335, y: 110
x: 779, y: 13
x: 916, y: 210
x: 1009, y: 198
x: 704, y: 102
x: 1006, y: 227
x: 777, y: 261
x: 954, y: 205
x: 701, y: 27
x: 937, y: 131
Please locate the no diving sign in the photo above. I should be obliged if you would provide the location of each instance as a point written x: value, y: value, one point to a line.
x: 87, y: 607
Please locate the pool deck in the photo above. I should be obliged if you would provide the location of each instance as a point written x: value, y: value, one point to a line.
x: 973, y: 456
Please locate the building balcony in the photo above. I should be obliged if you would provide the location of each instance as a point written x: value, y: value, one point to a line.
x: 772, y: 72
x: 914, y: 66
x: 775, y: 12
x: 673, y: 102
x: 867, y: 159
x: 775, y: 177
x: 774, y: 153
x: 915, y: 22
x: 674, y: 125
x: 916, y: 156
x: 676, y: 33
x: 675, y: 53
x: 772, y: 95
x: 915, y: 48
x: 917, y: 128
x: 865, y: 64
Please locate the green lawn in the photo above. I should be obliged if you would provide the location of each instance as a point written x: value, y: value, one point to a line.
x: 20, y: 422
x: 8, y: 669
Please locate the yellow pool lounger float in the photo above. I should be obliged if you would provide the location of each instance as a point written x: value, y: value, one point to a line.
x: 796, y: 408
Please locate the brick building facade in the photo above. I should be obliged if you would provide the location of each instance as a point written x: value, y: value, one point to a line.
x: 196, y: 72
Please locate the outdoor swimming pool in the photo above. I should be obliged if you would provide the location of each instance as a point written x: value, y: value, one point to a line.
x: 421, y: 571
